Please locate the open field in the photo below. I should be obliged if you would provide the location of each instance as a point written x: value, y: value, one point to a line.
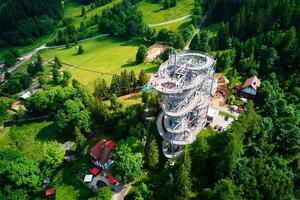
x: 154, y: 12
x: 30, y: 137
x: 178, y: 26
x: 103, y: 55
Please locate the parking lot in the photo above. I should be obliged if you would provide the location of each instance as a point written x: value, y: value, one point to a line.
x: 220, y: 121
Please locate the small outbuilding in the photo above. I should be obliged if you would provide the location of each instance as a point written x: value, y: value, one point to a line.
x: 25, y: 95
x: 88, y: 178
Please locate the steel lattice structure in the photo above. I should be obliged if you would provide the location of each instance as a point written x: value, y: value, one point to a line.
x: 186, y: 83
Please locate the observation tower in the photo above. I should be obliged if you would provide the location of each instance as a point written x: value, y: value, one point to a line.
x: 186, y: 82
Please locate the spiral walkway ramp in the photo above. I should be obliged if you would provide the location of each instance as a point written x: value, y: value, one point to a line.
x: 185, y: 81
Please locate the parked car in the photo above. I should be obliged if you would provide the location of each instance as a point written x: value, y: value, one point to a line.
x: 216, y: 126
x: 226, y: 118
x: 220, y: 128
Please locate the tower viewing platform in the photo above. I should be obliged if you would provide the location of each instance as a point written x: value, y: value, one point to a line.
x: 185, y: 81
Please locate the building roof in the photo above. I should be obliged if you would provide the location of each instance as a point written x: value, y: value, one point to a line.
x: 254, y: 82
x: 25, y: 95
x: 49, y: 192
x: 95, y: 170
x: 212, y: 112
x: 98, y: 149
x: 88, y: 178
x: 112, y: 180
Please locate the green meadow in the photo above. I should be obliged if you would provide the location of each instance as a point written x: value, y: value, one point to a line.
x: 102, y: 57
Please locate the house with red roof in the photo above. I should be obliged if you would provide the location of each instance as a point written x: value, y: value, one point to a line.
x: 102, y: 153
x: 250, y: 87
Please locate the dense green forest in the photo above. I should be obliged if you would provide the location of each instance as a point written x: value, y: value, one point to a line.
x: 23, y: 21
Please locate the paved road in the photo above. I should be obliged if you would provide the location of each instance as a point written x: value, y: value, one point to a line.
x: 122, y: 194
x: 171, y: 21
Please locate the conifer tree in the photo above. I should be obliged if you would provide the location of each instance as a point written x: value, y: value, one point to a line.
x: 133, y: 80
x: 143, y: 78
x: 141, y: 55
x: 80, y: 50
x: 223, y: 36
x: 204, y: 42
x: 66, y: 77
x: 57, y: 62
x: 183, y: 178
x: 195, y: 43
x: 79, y: 138
x: 82, y: 11
x: 56, y: 75
x: 101, y: 89
x: 151, y: 152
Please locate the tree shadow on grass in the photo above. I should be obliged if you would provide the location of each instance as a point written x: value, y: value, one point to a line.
x: 133, y: 42
x: 52, y: 132
x: 184, y: 25
x: 152, y: 69
x: 130, y: 63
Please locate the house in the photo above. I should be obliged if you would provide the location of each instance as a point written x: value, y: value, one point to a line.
x: 212, y: 113
x: 25, y: 95
x: 249, y: 89
x: 102, y: 153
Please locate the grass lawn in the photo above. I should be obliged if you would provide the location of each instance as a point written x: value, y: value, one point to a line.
x: 4, y: 137
x: 73, y: 9
x: 131, y: 99
x: 66, y: 183
x: 179, y: 26
x: 31, y: 137
x: 154, y: 12
x: 102, y: 57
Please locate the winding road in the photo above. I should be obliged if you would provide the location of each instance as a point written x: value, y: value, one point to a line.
x: 25, y: 57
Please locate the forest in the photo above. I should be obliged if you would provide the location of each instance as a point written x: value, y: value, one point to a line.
x: 27, y: 20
